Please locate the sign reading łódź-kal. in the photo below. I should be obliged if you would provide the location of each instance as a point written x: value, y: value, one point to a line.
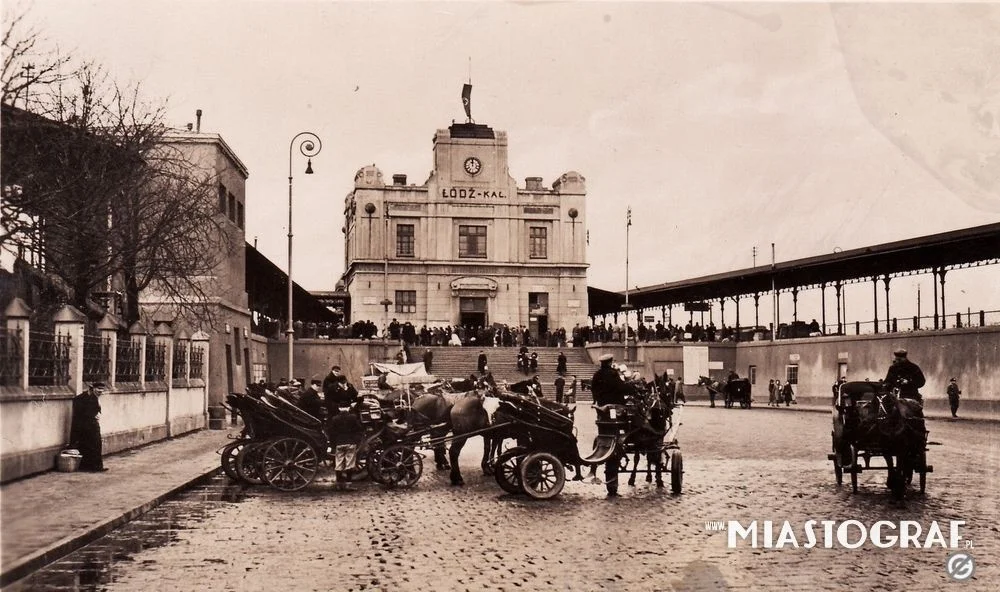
x: 472, y: 193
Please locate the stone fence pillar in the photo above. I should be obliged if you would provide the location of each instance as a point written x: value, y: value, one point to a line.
x: 18, y: 325
x: 108, y: 329
x: 71, y: 322
x: 137, y: 332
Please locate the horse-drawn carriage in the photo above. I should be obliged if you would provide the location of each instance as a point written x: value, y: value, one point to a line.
x: 547, y: 445
x: 870, y: 420
x: 735, y: 391
x: 284, y: 446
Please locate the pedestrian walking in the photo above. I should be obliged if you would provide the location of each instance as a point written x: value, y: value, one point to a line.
x: 481, y: 363
x: 953, y: 396
x: 428, y: 360
x: 787, y: 393
x: 679, y: 390
x: 772, y: 399
x: 560, y: 385
x: 561, y: 364
x: 85, y: 428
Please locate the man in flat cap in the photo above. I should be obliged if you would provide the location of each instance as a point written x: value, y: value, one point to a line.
x: 609, y: 388
x: 905, y: 375
x: 953, y: 393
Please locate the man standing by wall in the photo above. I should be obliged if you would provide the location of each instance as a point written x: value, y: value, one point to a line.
x: 953, y: 393
x: 85, y: 428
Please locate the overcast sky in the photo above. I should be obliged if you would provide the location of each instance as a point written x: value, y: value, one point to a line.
x: 724, y: 126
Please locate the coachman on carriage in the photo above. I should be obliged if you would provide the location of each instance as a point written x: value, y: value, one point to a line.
x: 871, y: 419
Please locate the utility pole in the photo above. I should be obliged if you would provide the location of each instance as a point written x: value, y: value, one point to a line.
x: 626, y: 307
x: 774, y: 298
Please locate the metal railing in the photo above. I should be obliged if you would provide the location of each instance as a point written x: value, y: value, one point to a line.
x: 11, y: 357
x: 48, y: 358
x: 180, y: 361
x: 127, y: 361
x: 96, y: 358
x: 197, y: 361
x: 156, y: 361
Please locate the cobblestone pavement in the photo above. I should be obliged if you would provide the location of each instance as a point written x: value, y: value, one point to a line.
x: 740, y: 465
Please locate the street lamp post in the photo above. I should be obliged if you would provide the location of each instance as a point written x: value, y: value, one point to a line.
x: 309, y: 146
x: 627, y: 307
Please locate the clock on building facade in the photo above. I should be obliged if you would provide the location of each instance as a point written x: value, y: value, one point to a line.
x: 473, y: 165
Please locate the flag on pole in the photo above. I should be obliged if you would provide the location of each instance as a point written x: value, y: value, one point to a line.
x: 629, y: 216
x: 467, y: 99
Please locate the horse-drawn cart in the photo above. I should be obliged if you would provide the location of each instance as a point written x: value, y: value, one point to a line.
x: 871, y: 421
x: 547, y: 445
x: 285, y: 447
x: 738, y: 391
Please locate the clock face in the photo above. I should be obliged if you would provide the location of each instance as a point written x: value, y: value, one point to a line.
x: 473, y: 166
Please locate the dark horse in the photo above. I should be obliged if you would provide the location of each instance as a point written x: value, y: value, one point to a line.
x: 894, y: 427
x: 459, y: 414
x: 648, y: 437
x: 714, y: 387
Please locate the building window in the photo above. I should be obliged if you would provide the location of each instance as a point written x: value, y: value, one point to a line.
x: 538, y: 242
x: 232, y: 207
x: 239, y: 214
x: 406, y: 301
x: 752, y: 374
x: 404, y: 240
x: 222, y: 198
x: 792, y: 373
x: 472, y: 242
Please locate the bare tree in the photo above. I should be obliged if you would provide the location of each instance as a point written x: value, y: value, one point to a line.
x: 96, y: 175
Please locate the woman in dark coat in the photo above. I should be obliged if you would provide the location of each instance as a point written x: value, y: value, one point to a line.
x: 85, y: 428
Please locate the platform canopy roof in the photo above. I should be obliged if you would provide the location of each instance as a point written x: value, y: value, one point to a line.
x: 979, y: 245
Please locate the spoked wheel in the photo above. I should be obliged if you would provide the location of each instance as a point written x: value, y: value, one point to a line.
x: 400, y: 466
x: 855, y: 468
x: 505, y: 470
x: 360, y: 472
x: 676, y: 472
x: 289, y: 464
x: 838, y: 466
x: 248, y: 462
x: 372, y: 460
x: 542, y: 475
x: 229, y: 453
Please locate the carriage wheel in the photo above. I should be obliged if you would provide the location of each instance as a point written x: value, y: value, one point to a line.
x: 855, y: 468
x: 838, y: 466
x: 289, y: 464
x: 676, y: 472
x: 229, y: 453
x: 744, y: 404
x: 400, y: 466
x: 749, y: 403
x: 505, y: 470
x: 248, y: 462
x: 542, y: 475
x: 372, y: 460
x: 922, y: 468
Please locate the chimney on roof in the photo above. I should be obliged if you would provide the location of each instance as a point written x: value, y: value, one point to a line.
x: 399, y: 179
x: 533, y: 183
x: 198, y: 115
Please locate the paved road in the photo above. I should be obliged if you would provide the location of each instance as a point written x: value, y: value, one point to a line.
x: 741, y: 465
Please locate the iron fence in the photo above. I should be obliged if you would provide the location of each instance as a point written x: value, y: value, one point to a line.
x: 156, y: 361
x: 197, y: 361
x: 180, y: 361
x: 96, y: 358
x: 127, y: 361
x: 11, y: 357
x: 48, y: 358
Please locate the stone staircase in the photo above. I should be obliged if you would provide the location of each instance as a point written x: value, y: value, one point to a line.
x: 459, y: 362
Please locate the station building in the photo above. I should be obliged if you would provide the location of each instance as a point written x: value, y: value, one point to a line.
x: 469, y: 246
